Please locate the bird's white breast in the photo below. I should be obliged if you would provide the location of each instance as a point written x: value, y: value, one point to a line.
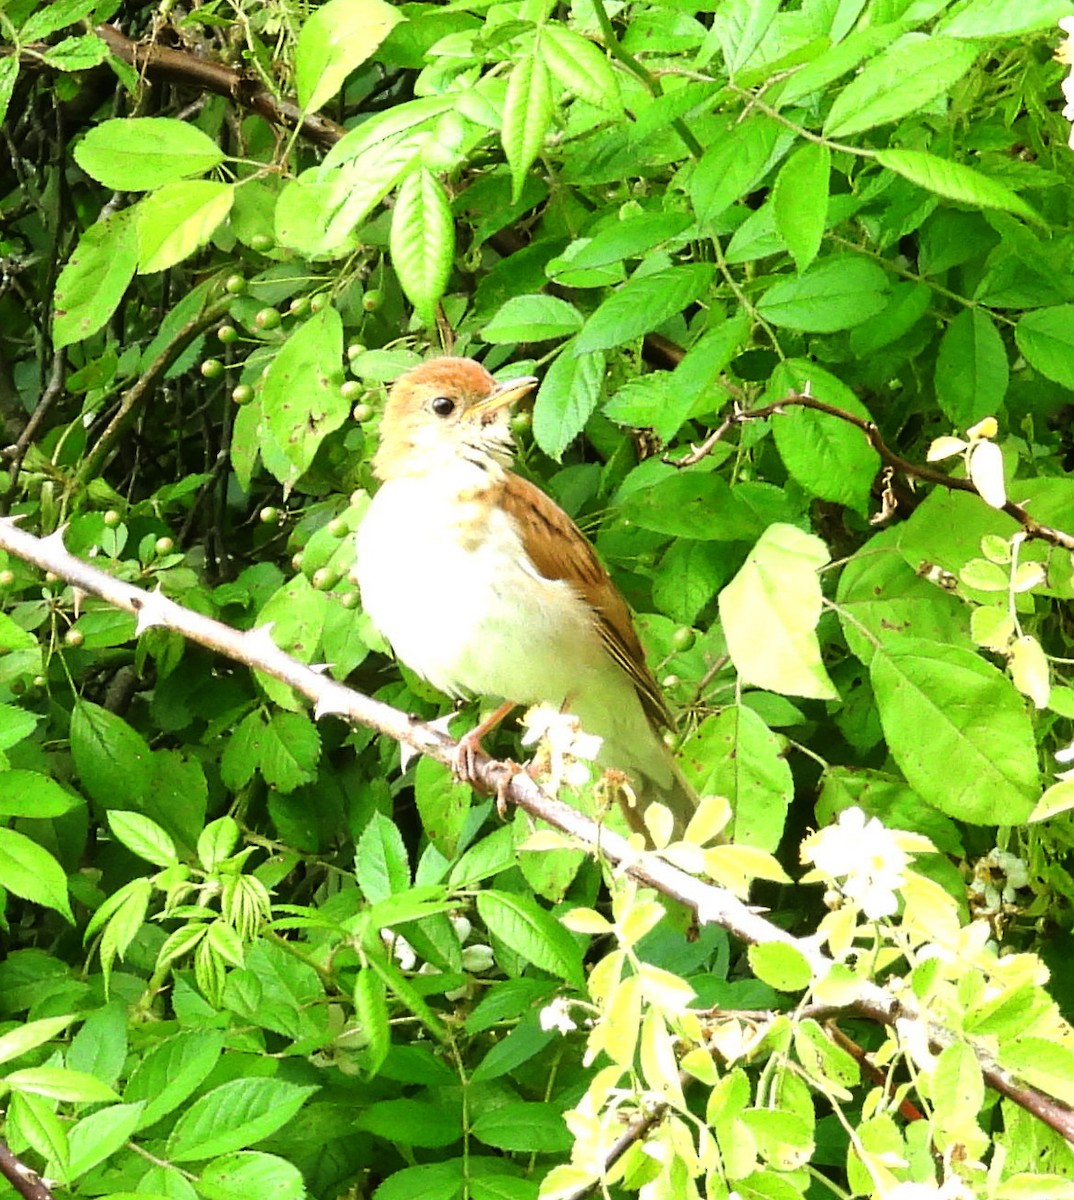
x: 445, y: 578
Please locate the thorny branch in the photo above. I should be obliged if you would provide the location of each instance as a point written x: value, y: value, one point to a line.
x: 27, y: 1183
x: 711, y: 904
x: 739, y: 416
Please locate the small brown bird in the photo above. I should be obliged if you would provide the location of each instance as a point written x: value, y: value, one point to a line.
x: 484, y: 586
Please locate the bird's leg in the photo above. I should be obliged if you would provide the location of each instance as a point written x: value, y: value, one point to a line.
x: 470, y: 743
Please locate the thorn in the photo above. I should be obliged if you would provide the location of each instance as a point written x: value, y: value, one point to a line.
x: 13, y: 520
x: 54, y: 541
x: 261, y: 637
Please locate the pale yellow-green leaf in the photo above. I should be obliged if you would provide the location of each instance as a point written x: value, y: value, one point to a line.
x: 658, y: 1065
x: 178, y: 219
x: 1029, y: 670
x: 1059, y: 798
x: 769, y: 613
x: 930, y: 914
x: 1028, y: 576
x: 986, y: 473
x: 957, y: 1087
x: 945, y: 447
x: 336, y: 38
x: 710, y: 817
x: 664, y: 989
x: 641, y: 918
x: 660, y: 823
x: 616, y: 1032
x: 586, y: 920
x: 781, y: 966
x: 992, y: 627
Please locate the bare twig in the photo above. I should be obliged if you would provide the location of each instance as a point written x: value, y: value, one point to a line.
x: 711, y: 904
x: 1033, y: 528
x: 27, y: 1183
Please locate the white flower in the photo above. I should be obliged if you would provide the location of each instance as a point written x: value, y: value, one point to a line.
x: 557, y: 1015
x: 1065, y: 54
x: 564, y: 747
x: 865, y: 856
x: 402, y: 951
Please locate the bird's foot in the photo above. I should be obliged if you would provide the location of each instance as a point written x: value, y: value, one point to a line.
x: 464, y: 759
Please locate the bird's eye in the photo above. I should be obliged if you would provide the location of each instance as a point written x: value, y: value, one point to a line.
x: 443, y: 406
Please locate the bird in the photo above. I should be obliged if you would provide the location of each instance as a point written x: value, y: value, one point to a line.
x: 484, y: 586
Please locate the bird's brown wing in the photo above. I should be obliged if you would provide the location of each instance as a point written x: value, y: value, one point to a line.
x: 559, y: 550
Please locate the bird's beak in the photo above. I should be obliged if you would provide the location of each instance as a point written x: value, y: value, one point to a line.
x: 503, y: 394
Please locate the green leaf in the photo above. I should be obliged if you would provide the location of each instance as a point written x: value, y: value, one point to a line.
x: 781, y: 966
x: 1003, y: 18
x: 16, y: 724
x: 532, y: 318
x: 800, y: 201
x: 829, y: 457
x: 95, y: 278
x: 740, y: 26
x: 735, y: 161
x: 61, y: 1083
x: 423, y: 241
x: 135, y: 154
x: 172, y: 1071
x: 233, y: 1116
x: 692, y: 504
x: 835, y: 293
x: 971, y: 368
x: 24, y: 1038
x: 371, y: 1010
x: 823, y: 1058
x: 76, y: 53
x: 300, y: 396
x: 112, y: 760
x: 431, y: 1181
x: 443, y: 804
x: 955, y: 181
x: 98, y: 1136
x: 904, y: 78
x: 381, y: 860
x: 769, y: 613
x: 28, y: 794
x: 406, y: 1122
x: 1042, y: 1063
x: 527, y: 114
x: 290, y: 751
x: 32, y: 873
x: 336, y: 38
x: 249, y: 1173
x: 579, y: 65
x: 568, y: 397
x: 734, y: 754
x: 643, y: 303
x: 33, y: 1118
x: 523, y: 1127
x: 978, y: 762
x: 532, y: 933
x: 9, y: 73
x: 178, y: 219
x: 49, y: 18
x: 143, y: 837
x: 1046, y: 338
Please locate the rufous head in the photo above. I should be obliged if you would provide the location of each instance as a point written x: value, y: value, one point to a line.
x: 447, y: 408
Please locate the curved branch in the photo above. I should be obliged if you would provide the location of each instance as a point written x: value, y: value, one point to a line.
x: 710, y: 903
x: 26, y: 1182
x: 1032, y: 527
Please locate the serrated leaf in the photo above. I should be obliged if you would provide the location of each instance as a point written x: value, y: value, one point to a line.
x: 335, y: 39
x: 24, y: 1038
x: 29, y: 794
x: 835, y: 293
x: 527, y: 114
x: 233, y: 1116
x: 423, y: 241
x: 1046, y: 338
x: 532, y: 318
x: 955, y: 181
x: 31, y: 872
x: 643, y: 303
x: 800, y: 201
x: 568, y: 397
x: 579, y: 65
x: 769, y: 613
x: 1003, y: 18
x: 136, y: 154
x: 143, y: 837
x: 177, y: 219
x: 971, y: 368
x: 95, y: 278
x: 979, y: 761
x: 901, y: 80
x: 532, y: 933
x: 733, y: 164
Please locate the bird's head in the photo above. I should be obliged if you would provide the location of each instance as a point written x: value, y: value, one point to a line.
x: 444, y: 410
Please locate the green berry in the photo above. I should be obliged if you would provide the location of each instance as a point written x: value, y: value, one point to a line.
x: 212, y: 368
x: 355, y: 350
x: 337, y: 527
x: 235, y: 284
x: 242, y: 393
x: 362, y: 413
x: 269, y: 515
x: 228, y: 334
x: 372, y: 300
x: 112, y: 519
x: 670, y: 681
x: 324, y: 578
x: 164, y: 545
x: 7, y: 578
x: 297, y: 561
x: 683, y: 638
x: 349, y: 600
x: 268, y: 318
x: 319, y: 301
x: 262, y: 243
x: 74, y: 637
x: 350, y: 390
x: 299, y: 306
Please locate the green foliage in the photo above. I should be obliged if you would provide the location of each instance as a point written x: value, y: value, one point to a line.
x: 247, y: 953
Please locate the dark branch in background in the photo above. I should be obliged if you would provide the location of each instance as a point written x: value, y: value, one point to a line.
x: 711, y: 904
x: 158, y: 62
x: 53, y: 390
x: 1033, y: 528
x: 27, y: 1183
